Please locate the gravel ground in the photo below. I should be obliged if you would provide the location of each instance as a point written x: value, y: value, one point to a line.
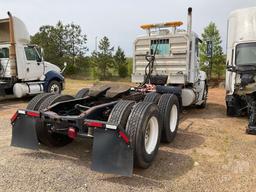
x: 210, y: 153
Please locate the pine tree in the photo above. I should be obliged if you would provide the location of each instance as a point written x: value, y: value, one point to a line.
x: 120, y: 63
x: 103, y: 59
x: 211, y: 33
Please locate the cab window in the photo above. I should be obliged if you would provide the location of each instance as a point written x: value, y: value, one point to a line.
x: 4, y: 53
x: 160, y: 46
x: 31, y: 54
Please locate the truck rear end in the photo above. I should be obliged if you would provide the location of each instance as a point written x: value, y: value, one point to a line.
x: 176, y: 60
x: 126, y: 123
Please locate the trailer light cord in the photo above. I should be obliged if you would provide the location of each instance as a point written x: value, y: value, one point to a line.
x: 150, y: 66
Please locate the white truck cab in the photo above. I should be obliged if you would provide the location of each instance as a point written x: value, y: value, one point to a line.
x: 241, y: 65
x: 176, y: 59
x: 23, y: 70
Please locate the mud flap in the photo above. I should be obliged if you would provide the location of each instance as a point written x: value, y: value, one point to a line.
x: 24, y: 132
x: 111, y: 154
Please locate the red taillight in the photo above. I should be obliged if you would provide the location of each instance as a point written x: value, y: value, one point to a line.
x: 72, y: 133
x: 33, y: 114
x: 14, y: 117
x: 94, y: 124
x: 124, y: 137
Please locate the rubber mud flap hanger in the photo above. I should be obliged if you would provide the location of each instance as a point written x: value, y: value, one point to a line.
x: 112, y: 153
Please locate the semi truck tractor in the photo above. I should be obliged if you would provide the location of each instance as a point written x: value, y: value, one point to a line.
x: 241, y: 66
x: 23, y: 70
x: 176, y: 60
x: 126, y: 123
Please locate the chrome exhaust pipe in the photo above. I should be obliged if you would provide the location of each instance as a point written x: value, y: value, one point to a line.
x: 189, y: 24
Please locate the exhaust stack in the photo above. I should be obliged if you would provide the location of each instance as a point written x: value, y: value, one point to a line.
x: 189, y: 25
x: 12, y: 55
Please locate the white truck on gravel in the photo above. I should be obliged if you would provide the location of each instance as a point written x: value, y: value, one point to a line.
x: 126, y: 123
x: 241, y: 66
x: 23, y: 70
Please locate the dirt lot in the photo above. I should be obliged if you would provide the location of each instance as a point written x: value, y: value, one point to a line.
x: 210, y: 153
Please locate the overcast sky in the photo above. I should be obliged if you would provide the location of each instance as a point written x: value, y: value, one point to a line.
x: 120, y: 19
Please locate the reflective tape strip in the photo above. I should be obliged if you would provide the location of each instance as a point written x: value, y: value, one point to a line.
x: 21, y: 112
x: 114, y: 127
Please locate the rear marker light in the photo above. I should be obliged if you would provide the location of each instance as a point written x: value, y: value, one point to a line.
x: 94, y: 124
x: 14, y: 117
x: 33, y: 114
x: 124, y: 137
x: 72, y: 133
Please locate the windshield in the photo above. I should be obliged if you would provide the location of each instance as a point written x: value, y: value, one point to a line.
x: 246, y: 54
x: 4, y: 53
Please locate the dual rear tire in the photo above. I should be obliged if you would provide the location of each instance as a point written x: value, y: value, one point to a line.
x: 147, y: 123
x: 141, y: 123
x: 44, y: 134
x: 169, y: 112
x: 144, y: 130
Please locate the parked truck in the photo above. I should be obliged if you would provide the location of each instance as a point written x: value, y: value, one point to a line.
x: 241, y: 66
x: 176, y: 60
x: 23, y: 70
x: 126, y: 123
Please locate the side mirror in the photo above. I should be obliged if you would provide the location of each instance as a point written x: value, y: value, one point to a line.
x: 39, y: 60
x: 65, y: 66
x: 42, y: 53
x: 231, y: 68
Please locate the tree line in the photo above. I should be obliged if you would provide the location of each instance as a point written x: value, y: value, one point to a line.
x: 67, y: 43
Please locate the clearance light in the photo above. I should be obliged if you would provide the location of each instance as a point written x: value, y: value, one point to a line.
x: 94, y: 124
x: 161, y: 25
x: 33, y: 114
x: 14, y: 117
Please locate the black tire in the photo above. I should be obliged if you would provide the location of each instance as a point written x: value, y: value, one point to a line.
x: 44, y: 134
x: 152, y: 97
x: 120, y: 113
x: 82, y: 93
x: 54, y: 99
x: 231, y: 111
x: 136, y: 128
x: 37, y: 100
x: 167, y: 108
x: 203, y: 105
x: 54, y: 87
